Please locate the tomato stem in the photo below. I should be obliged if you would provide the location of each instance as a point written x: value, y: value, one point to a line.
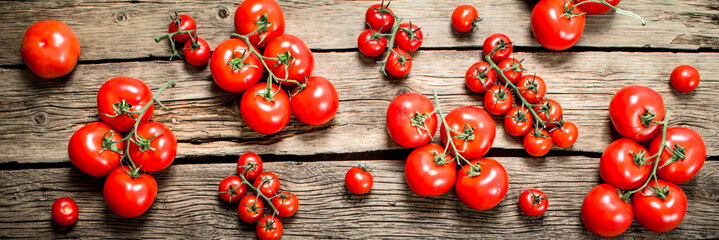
x: 256, y: 190
x: 605, y: 3
x: 658, y: 156
x: 474, y: 169
x: 390, y: 44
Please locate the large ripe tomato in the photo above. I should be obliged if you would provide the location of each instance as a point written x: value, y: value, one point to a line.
x: 198, y: 56
x: 293, y: 54
x: 359, y: 180
x: 231, y: 189
x: 518, y: 121
x: 263, y: 14
x: 553, y: 28
x: 532, y: 88
x: 268, y: 183
x: 126, y: 94
x: 411, y: 121
x: 424, y: 174
x: 465, y: 18
x: 634, y: 111
x: 565, y: 135
x: 50, y: 49
x: 127, y: 196
x: 64, y: 211
x: 621, y: 164
x: 371, y: 43
x: 511, y: 68
x: 685, y: 78
x: 253, y: 159
x: 479, y: 131
x: 183, y: 23
x: 533, y: 202
x: 399, y: 63
x: 549, y: 108
x: 657, y: 214
x: 686, y: 142
x: 504, y: 50
x: 286, y: 204
x: 234, y: 67
x: 269, y: 228
x: 485, y: 190
x: 480, y: 76
x: 593, y: 8
x: 408, y: 38
x: 498, y: 100
x: 263, y: 115
x: 604, y: 213
x: 379, y: 17
x: 317, y: 103
x: 157, y: 147
x: 250, y: 208
x: 86, y: 149
x: 537, y: 143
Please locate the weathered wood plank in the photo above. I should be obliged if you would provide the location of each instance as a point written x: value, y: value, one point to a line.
x: 125, y: 29
x: 187, y: 205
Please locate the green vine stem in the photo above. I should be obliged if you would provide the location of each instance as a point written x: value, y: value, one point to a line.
x: 569, y: 12
x: 173, y: 49
x: 655, y: 165
x: 475, y: 169
x: 390, y: 42
x: 257, y: 191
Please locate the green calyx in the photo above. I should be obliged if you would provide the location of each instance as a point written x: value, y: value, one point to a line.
x: 410, y: 32
x: 658, y: 192
x: 638, y: 158
x: 238, y: 62
x: 678, y: 153
x: 475, y: 23
x: 647, y: 118
x: 262, y: 25
x: 232, y: 190
x: 146, y: 144
x: 536, y: 198
x: 417, y: 121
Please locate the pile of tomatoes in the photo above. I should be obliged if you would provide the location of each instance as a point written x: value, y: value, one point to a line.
x: 183, y: 30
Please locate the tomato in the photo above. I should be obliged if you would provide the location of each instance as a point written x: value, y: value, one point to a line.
x: 268, y: 183
x: 292, y: 53
x: 657, y: 214
x: 183, y: 23
x: 564, y: 136
x: 685, y: 78
x: 511, y: 68
x: 371, y: 43
x: 549, y: 108
x: 286, y: 204
x: 317, y: 103
x: 427, y: 173
x: 64, y: 211
x: 127, y: 196
x: 634, y: 111
x: 198, y: 56
x: 498, y: 100
x: 533, y: 202
x: 263, y: 115
x: 265, y: 15
x: 593, y: 8
x: 411, y: 121
x: 399, y: 63
x: 234, y: 67
x: 250, y: 208
x: 91, y: 149
x: 251, y: 159
x: 408, y: 39
x: 686, y: 142
x: 480, y: 77
x: 50, y: 49
x: 231, y: 189
x: 518, y: 121
x: 604, y: 213
x: 532, y: 88
x: 553, y: 28
x: 479, y: 131
x: 269, y: 228
x: 465, y: 18
x: 537, y: 143
x: 379, y: 17
x: 620, y: 165
x: 359, y: 180
x: 485, y: 190
x: 157, y: 147
x: 126, y: 94
x: 504, y: 50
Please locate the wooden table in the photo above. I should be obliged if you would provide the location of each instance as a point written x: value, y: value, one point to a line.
x: 37, y: 118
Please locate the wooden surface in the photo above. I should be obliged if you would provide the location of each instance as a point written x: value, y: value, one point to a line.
x: 37, y: 118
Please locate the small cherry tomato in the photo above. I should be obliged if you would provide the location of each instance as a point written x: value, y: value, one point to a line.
x: 234, y: 67
x: 474, y: 128
x: 503, y: 51
x: 359, y: 180
x: 593, y: 8
x: 564, y: 135
x: 263, y: 14
x: 537, y: 143
x: 549, y: 108
x: 408, y: 39
x: 498, y: 100
x: 255, y: 163
x: 604, y: 213
x: 465, y: 18
x: 485, y: 190
x: 511, y: 68
x: 427, y: 173
x: 411, y: 121
x: 231, y: 189
x: 685, y: 78
x: 371, y: 43
x: 379, y: 17
x: 64, y: 211
x: 86, y: 149
x: 518, y: 121
x: 269, y: 228
x: 286, y: 204
x: 683, y: 155
x: 182, y: 23
x: 200, y: 55
x: 250, y: 208
x: 128, y: 95
x: 268, y: 183
x: 533, y: 202
x: 622, y: 164
x: 635, y: 111
x: 399, y: 63
x: 265, y: 116
x: 532, y: 88
x: 50, y: 49
x: 656, y: 213
x: 155, y: 148
x: 317, y: 103
x: 480, y: 76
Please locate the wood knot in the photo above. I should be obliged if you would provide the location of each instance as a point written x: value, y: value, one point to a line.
x: 404, y: 90
x: 223, y: 12
x: 39, y: 119
x: 120, y: 17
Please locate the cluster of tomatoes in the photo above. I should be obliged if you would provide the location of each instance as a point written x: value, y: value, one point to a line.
x: 384, y: 24
x: 183, y: 30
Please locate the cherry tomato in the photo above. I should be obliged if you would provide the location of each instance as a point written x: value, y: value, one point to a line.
x: 183, y: 23
x: 592, y: 8
x: 50, y: 49
x: 518, y: 121
x: 268, y: 183
x: 424, y: 174
x: 504, y: 50
x: 64, y: 211
x: 399, y: 63
x: 198, y: 56
x: 411, y: 121
x: 657, y: 214
x: 371, y: 43
x: 564, y: 136
x: 379, y: 17
x: 511, y: 68
x: 157, y: 148
x: 686, y: 142
x: 408, y: 39
x: 533, y: 202
x: 317, y: 103
x: 293, y: 53
x: 465, y: 18
x: 359, y: 180
x: 480, y: 76
x: 264, y: 14
x: 478, y: 127
x: 127, y: 196
x: 251, y: 159
x: 234, y: 67
x: 532, y: 88
x: 86, y: 149
x: 250, y: 208
x: 498, y: 100
x: 263, y: 115
x: 269, y: 228
x: 604, y: 213
x: 231, y: 189
x: 621, y: 164
x: 634, y: 111
x: 553, y: 28
x: 685, y: 78
x: 537, y: 143
x: 483, y: 191
x: 553, y: 108
x: 286, y: 204
x: 134, y: 93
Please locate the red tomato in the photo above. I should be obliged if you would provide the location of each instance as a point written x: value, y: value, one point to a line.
x: 505, y: 47
x: 485, y: 190
x: 50, y: 49
x: 359, y: 180
x: 371, y: 43
x: 479, y: 134
x: 64, y: 211
x: 379, y: 17
x: 657, y: 214
x: 620, y: 164
x: 292, y: 53
x: 553, y: 108
x: 465, y: 18
x: 198, y: 56
x: 518, y: 121
x: 234, y: 67
x: 231, y: 189
x: 127, y: 196
x: 480, y: 77
x: 685, y: 78
x: 564, y: 136
x: 250, y: 208
x: 317, y: 103
x: 157, y: 147
x: 135, y: 95
x: 265, y: 15
x: 252, y: 159
x: 408, y: 39
x: 685, y: 142
x: 604, y: 213
x: 411, y: 121
x: 553, y: 28
x: 399, y: 63
x: 268, y: 183
x: 511, y: 68
x: 498, y: 100
x: 263, y: 115
x: 269, y: 228
x: 532, y: 88
x: 634, y: 111
x: 86, y: 149
x: 183, y: 23
x: 425, y: 176
x: 533, y: 202
x: 593, y: 8
x: 286, y: 204
x: 537, y: 143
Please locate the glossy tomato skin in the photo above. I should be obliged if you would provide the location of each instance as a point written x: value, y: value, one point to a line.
x: 492, y: 42
x: 592, y: 8
x: 463, y: 18
x: 617, y: 166
x: 248, y: 158
x: 399, y: 120
x: 371, y: 47
x: 317, y: 103
x: 378, y: 21
x: 262, y: 115
x: 85, y: 146
x: 627, y: 107
x: 229, y: 79
x: 250, y: 208
x: 134, y: 92
x: 478, y: 73
x: 394, y: 64
x: 64, y: 211
x: 554, y: 113
x: 250, y: 11
x: 533, y: 202
x: 358, y: 180
x: 269, y: 227
x: 226, y: 186
x: 286, y: 204
x: 404, y: 40
x: 186, y: 23
x: 511, y: 74
x: 424, y: 176
x: 498, y: 103
x: 129, y: 197
x: 302, y: 64
x: 604, y: 213
x: 533, y: 88
x: 50, y: 49
x: 518, y: 125
x: 552, y: 28
x: 685, y: 78
x: 695, y: 153
x: 485, y: 190
x: 164, y: 143
x: 565, y: 136
x: 484, y: 130
x: 656, y: 214
x: 199, y: 56
x: 268, y: 183
x: 537, y: 144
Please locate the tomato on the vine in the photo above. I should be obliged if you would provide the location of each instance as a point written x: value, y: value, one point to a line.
x: 408, y: 38
x: 265, y: 15
x: 265, y: 116
x: 483, y: 191
x: 465, y: 18
x: 685, y: 78
x: 622, y: 164
x: 231, y: 189
x: 498, y: 100
x: 127, y: 95
x: 86, y: 149
x: 533, y: 202
x: 604, y: 213
x: 50, y: 49
x: 399, y: 63
x: 359, y: 180
x: 293, y: 54
x: 593, y: 8
x: 477, y: 131
x: 532, y: 88
x: 549, y: 110
x: 250, y: 208
x: 635, y: 112
x: 411, y: 121
x: 518, y: 121
x: 286, y: 204
x: 129, y: 196
x: 554, y: 27
x: 427, y: 173
x: 565, y: 134
x: 268, y: 183
x: 269, y: 227
x: 234, y: 67
x: 253, y: 159
x: 655, y: 213
x: 537, y: 143
x: 379, y: 17
x: 512, y: 69
x: 480, y: 76
x: 156, y: 147
x: 504, y: 50
x: 64, y: 211
x: 317, y: 103
x: 371, y: 43
x: 183, y: 23
x: 198, y: 56
x: 683, y: 156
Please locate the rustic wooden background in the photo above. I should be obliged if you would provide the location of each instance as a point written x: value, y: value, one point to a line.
x: 37, y: 118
